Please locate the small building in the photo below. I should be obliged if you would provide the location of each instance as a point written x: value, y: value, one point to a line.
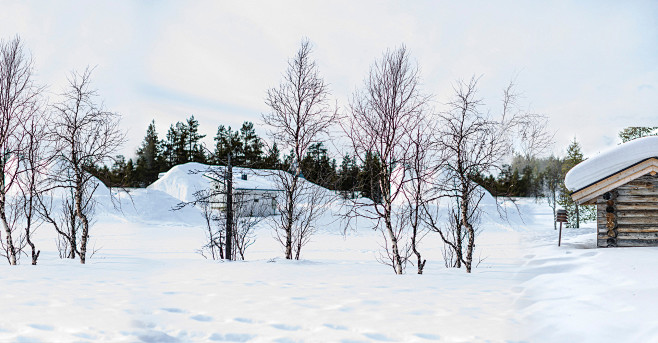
x: 623, y: 184
x: 254, y: 195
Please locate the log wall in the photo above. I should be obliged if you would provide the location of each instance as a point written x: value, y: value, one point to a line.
x: 628, y: 215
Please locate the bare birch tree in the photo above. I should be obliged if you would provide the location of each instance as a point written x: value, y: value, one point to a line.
x: 19, y: 100
x: 475, y: 142
x: 423, y: 167
x: 382, y: 118
x: 87, y: 135
x: 36, y: 156
x: 300, y: 115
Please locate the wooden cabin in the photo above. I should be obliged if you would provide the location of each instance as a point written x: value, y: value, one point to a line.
x: 626, y: 205
x: 254, y: 194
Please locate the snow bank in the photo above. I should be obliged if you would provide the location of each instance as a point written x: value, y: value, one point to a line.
x: 182, y: 181
x: 611, y: 161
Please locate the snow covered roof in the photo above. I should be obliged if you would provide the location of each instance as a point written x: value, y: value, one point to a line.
x: 610, y: 162
x: 256, y: 179
x: 182, y: 181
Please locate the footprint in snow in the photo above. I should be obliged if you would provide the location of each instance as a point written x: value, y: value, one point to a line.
x: 172, y: 310
x: 41, y: 327
x: 243, y: 320
x: 157, y: 337
x: 85, y: 335
x: 428, y: 336
x: 231, y: 337
x: 335, y: 327
x: 286, y: 327
x: 378, y: 337
x: 201, y: 318
x: 287, y: 340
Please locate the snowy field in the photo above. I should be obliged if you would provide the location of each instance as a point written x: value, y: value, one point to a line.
x: 146, y: 283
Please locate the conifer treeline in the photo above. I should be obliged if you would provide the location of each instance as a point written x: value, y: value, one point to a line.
x: 183, y: 144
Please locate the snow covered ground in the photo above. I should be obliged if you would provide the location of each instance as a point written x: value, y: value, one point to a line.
x: 146, y: 283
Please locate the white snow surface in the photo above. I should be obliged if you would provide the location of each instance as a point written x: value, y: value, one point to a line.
x: 146, y: 283
x: 611, y: 161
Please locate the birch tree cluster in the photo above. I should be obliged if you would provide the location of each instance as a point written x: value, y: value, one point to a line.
x: 420, y: 159
x: 48, y: 149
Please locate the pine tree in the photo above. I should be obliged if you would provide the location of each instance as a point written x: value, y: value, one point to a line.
x: 272, y: 160
x: 576, y: 214
x: 194, y: 151
x: 149, y: 157
x: 369, y: 178
x: 226, y: 141
x: 631, y: 133
x: 348, y: 177
x: 251, y: 154
x: 317, y: 167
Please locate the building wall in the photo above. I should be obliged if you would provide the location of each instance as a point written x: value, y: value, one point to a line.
x: 628, y: 215
x: 250, y: 203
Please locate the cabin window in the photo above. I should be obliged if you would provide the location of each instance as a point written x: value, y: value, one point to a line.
x: 244, y: 176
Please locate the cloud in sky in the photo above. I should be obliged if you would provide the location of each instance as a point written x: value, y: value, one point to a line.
x: 589, y: 65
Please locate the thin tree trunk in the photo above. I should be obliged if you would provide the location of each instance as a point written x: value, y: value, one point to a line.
x: 11, y: 249
x: 397, y: 260
x: 290, y: 208
x: 229, y: 210
x: 28, y: 234
x: 471, y: 233
x: 85, y: 225
x: 73, y: 240
x: 414, y: 238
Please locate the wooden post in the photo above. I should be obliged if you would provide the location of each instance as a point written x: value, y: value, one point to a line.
x: 560, y: 217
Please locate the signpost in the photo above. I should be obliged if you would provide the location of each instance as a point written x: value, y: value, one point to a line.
x: 560, y: 217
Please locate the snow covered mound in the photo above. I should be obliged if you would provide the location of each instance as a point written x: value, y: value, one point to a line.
x: 182, y: 181
x: 611, y: 161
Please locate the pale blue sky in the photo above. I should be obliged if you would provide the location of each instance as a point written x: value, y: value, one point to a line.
x: 591, y: 66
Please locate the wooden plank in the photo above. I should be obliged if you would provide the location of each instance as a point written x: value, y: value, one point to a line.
x: 637, y: 192
x: 632, y: 235
x: 603, y: 243
x: 621, y: 199
x: 637, y: 220
x: 637, y: 243
x: 633, y: 218
x: 636, y: 213
x: 636, y: 206
x: 637, y: 229
x: 638, y: 235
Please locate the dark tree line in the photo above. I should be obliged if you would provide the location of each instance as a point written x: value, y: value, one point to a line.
x: 182, y: 144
